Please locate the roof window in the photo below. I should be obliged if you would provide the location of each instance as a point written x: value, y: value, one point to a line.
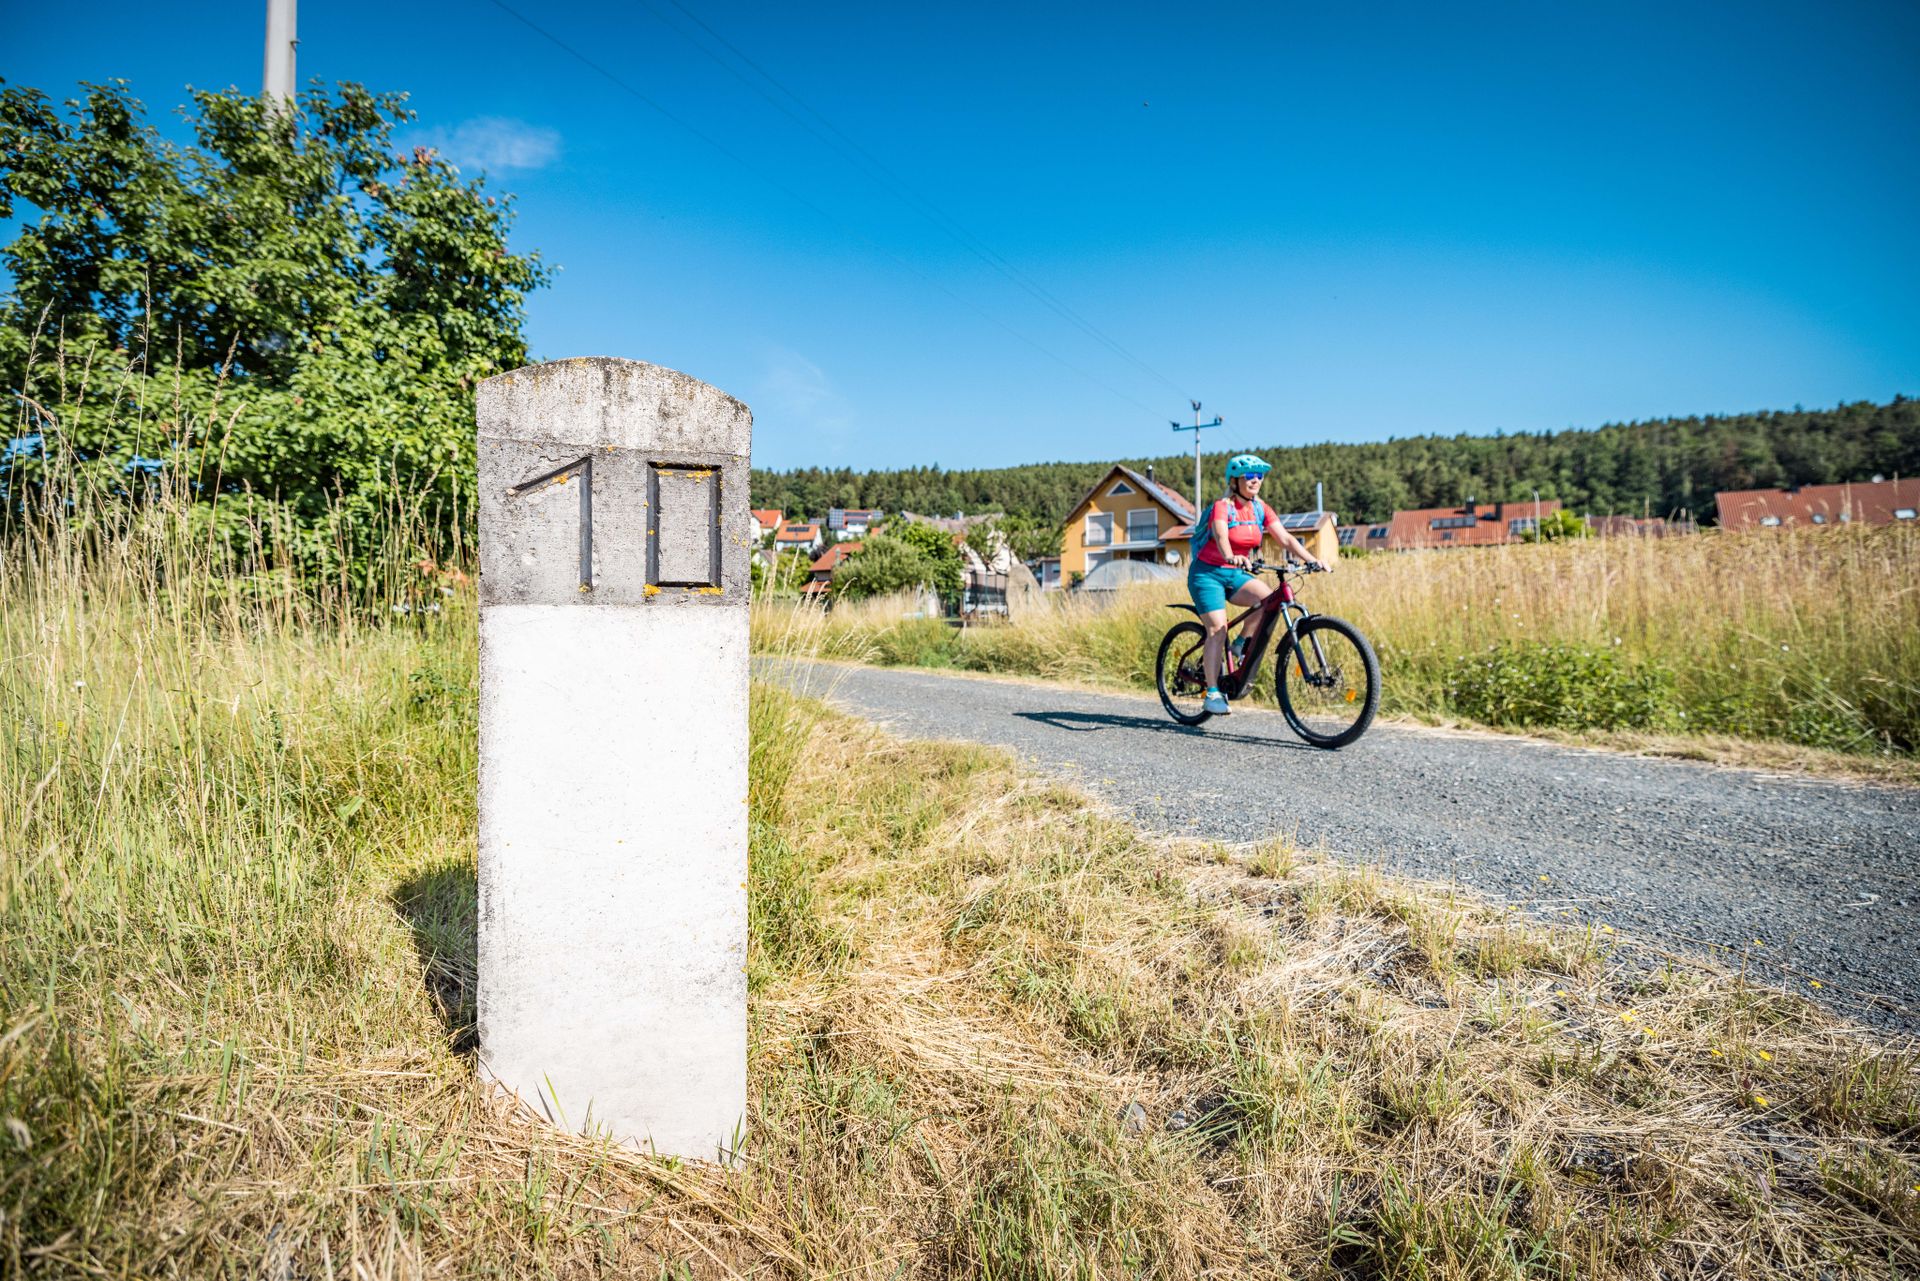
x: 1453, y: 522
x: 1903, y: 513
x: 1819, y: 519
x: 1769, y: 520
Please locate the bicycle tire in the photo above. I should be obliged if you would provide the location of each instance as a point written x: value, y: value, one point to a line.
x: 1177, y: 683
x: 1365, y: 702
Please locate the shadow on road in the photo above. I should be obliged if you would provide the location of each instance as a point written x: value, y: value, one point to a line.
x: 1092, y: 722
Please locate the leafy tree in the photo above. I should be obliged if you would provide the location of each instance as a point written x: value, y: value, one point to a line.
x: 283, y: 307
x: 887, y: 564
x: 1557, y: 525
x: 1027, y: 537
x: 790, y: 572
x: 942, y: 552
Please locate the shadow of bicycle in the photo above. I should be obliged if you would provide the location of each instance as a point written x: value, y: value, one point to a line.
x: 1094, y: 722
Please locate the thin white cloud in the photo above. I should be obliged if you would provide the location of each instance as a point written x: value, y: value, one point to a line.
x: 800, y: 391
x: 497, y: 144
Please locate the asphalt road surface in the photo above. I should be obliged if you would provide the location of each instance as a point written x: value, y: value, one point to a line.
x: 1824, y: 875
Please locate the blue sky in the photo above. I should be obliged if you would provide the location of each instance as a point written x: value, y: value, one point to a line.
x: 1325, y: 222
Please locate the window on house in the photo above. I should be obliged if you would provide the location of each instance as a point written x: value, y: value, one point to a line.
x: 1099, y: 529
x: 1378, y: 531
x: 1143, y: 525
x: 1903, y: 513
x: 1453, y: 522
x: 1121, y: 487
x: 1769, y: 520
x: 1096, y: 559
x: 1447, y: 537
x: 1346, y: 537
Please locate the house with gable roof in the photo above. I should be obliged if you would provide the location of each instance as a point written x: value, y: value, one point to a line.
x: 1126, y: 516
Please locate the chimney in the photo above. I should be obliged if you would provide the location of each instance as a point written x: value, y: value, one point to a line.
x: 1150, y: 474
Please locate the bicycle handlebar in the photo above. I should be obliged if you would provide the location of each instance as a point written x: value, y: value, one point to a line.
x: 1286, y: 567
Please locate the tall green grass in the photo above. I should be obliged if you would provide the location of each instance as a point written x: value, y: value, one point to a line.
x: 1810, y: 637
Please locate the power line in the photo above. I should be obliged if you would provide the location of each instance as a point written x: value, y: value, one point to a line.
x: 900, y: 187
x: 621, y: 84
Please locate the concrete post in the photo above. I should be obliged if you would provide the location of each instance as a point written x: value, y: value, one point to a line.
x: 614, y: 539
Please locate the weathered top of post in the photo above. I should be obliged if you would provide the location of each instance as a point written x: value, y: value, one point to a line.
x: 608, y: 401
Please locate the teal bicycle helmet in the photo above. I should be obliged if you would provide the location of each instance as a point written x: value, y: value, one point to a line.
x: 1246, y: 465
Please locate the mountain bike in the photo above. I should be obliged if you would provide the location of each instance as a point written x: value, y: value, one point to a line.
x: 1327, y: 676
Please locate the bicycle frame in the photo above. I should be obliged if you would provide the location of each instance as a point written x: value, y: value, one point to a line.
x: 1282, y: 602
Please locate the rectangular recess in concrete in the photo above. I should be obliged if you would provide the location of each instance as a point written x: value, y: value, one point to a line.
x: 684, y: 547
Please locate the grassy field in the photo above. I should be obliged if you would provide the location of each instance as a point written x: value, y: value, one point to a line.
x: 995, y: 1032
x: 1809, y: 638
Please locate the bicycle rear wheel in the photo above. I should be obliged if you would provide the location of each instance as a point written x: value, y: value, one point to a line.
x: 1180, y: 676
x: 1329, y: 683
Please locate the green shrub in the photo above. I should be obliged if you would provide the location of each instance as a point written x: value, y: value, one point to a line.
x: 1563, y: 686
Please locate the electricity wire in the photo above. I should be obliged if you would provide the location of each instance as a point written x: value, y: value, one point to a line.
x: 620, y: 83
x: 903, y: 190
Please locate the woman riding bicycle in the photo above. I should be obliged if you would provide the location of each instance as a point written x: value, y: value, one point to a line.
x: 1223, y: 546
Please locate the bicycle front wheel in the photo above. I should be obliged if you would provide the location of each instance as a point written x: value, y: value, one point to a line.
x: 1329, y: 682
x: 1180, y: 675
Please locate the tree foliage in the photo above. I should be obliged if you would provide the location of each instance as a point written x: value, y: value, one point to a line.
x: 1557, y: 526
x: 884, y: 565
x: 283, y: 307
x: 1666, y: 467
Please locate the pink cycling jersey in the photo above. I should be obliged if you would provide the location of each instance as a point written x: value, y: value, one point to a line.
x: 1246, y: 527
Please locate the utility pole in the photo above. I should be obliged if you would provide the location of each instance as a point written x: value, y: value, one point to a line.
x: 1196, y: 429
x: 276, y: 79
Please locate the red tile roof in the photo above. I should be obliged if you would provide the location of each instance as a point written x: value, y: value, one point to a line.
x: 1481, y: 525
x: 830, y: 559
x: 769, y: 517
x: 1869, y: 503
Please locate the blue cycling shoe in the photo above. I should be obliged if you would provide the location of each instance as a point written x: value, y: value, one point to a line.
x: 1217, y: 703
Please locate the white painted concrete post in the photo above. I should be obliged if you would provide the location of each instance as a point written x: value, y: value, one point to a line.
x: 613, y: 751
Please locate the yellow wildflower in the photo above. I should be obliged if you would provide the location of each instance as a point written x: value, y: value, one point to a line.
x: 1761, y: 1099
x: 1813, y: 983
x: 1764, y: 1056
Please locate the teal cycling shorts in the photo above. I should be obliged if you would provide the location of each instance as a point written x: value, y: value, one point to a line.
x: 1211, y: 585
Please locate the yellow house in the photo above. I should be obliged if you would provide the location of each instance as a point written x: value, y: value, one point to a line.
x: 1129, y: 517
x: 1126, y: 517
x: 1320, y: 531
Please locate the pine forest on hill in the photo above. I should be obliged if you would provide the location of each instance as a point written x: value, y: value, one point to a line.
x: 1667, y: 467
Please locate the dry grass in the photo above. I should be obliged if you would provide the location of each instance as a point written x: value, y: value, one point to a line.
x: 236, y: 975
x: 1809, y: 639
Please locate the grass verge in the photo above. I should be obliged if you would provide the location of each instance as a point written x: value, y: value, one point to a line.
x: 995, y: 1032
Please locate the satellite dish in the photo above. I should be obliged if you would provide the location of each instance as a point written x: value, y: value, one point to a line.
x: 1173, y: 556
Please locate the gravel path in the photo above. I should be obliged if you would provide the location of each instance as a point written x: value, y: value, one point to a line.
x: 1826, y: 875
